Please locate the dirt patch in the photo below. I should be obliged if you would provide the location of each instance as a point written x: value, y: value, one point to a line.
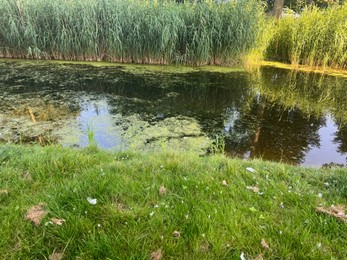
x: 36, y: 214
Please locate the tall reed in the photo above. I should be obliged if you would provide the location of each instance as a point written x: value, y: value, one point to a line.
x: 316, y: 38
x: 129, y: 30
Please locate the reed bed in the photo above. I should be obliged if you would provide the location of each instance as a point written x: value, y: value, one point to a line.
x: 318, y: 37
x: 129, y: 30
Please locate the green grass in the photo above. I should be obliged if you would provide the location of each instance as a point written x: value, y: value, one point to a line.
x: 318, y: 37
x: 129, y: 31
x: 132, y: 219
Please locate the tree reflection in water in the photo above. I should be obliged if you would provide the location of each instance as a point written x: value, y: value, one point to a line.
x: 271, y: 113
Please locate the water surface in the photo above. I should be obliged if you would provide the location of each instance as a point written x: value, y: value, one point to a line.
x: 274, y: 114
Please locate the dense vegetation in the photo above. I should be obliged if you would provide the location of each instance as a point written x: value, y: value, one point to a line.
x: 179, y: 206
x: 128, y: 31
x: 317, y: 37
x: 194, y: 32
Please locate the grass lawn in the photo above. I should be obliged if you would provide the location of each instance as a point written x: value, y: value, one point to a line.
x: 89, y: 204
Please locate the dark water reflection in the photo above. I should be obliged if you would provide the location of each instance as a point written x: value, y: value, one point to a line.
x: 275, y: 114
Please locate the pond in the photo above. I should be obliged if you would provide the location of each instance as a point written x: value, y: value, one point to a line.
x: 270, y: 113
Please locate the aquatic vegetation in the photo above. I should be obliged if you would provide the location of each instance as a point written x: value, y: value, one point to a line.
x: 129, y: 31
x: 271, y: 113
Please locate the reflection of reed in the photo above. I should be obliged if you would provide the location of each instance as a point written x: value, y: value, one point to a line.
x: 31, y: 115
x: 314, y: 93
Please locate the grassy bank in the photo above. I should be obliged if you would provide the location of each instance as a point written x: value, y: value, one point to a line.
x: 129, y: 31
x: 318, y: 37
x: 176, y: 205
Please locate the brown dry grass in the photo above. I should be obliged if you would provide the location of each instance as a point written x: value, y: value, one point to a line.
x: 3, y: 192
x: 36, y: 213
x: 337, y: 212
x: 157, y: 255
x: 56, y: 256
x: 162, y: 190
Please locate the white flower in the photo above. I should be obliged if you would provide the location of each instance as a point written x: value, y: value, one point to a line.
x: 92, y: 201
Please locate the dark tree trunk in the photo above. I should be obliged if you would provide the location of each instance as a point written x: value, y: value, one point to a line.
x: 260, y: 117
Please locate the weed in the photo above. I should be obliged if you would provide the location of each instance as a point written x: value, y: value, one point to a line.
x: 129, y: 31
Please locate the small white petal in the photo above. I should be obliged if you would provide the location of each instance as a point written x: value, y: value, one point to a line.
x: 251, y: 169
x: 242, y: 256
x: 92, y: 201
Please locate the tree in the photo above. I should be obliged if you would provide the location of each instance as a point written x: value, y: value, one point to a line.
x: 277, y: 9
